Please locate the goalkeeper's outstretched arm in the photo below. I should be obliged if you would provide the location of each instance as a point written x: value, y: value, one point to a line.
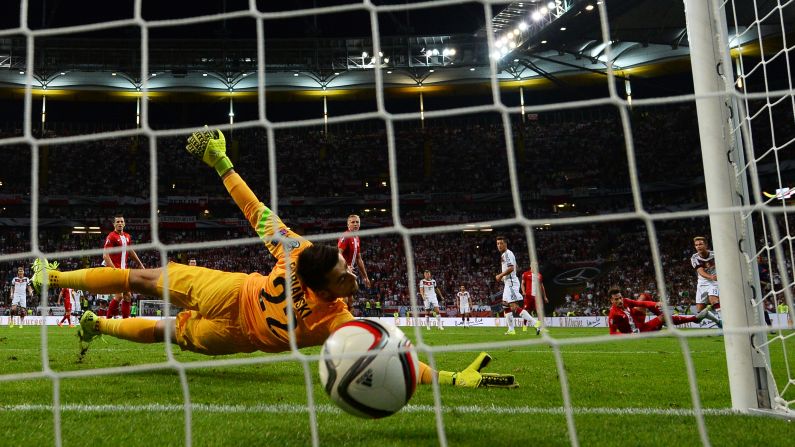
x: 210, y: 147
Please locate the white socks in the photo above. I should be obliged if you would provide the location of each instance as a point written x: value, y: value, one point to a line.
x: 526, y: 315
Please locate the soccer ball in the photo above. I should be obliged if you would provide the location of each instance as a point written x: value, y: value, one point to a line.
x: 364, y: 370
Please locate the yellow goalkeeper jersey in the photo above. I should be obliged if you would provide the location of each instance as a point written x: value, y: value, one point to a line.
x: 264, y: 298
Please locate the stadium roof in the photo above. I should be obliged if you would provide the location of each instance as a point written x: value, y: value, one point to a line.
x: 545, y: 44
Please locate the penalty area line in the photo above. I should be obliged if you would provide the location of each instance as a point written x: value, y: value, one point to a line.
x: 327, y: 408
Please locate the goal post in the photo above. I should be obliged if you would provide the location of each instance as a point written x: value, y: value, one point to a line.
x: 750, y: 383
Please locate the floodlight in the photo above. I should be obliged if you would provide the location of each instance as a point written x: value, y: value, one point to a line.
x: 536, y: 16
x: 364, y: 54
x: 551, y: 5
x: 522, y: 26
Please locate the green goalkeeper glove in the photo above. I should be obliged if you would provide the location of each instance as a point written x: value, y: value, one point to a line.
x: 209, y: 146
x: 471, y: 377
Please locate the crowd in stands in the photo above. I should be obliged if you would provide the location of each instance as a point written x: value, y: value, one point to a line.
x: 461, y: 170
x: 469, y: 158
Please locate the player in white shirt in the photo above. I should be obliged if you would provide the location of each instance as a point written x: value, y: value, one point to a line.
x: 464, y: 304
x: 511, y: 295
x: 428, y: 290
x: 20, y: 291
x: 703, y: 262
x: 77, y: 297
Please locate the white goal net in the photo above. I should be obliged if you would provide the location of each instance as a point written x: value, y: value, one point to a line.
x: 618, y: 205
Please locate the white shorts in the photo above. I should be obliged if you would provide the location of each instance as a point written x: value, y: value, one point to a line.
x: 430, y: 303
x: 76, y: 306
x: 464, y: 309
x: 511, y: 294
x: 21, y: 301
x: 704, y: 291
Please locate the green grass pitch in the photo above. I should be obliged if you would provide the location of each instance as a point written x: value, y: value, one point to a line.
x: 632, y: 393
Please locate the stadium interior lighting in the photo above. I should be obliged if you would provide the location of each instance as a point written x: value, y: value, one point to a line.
x: 472, y: 69
x: 536, y: 16
x: 431, y: 70
x: 543, y: 10
x: 543, y: 41
x: 364, y: 54
x: 563, y: 28
x: 589, y: 7
x: 516, y: 31
x: 336, y: 73
x: 154, y: 74
x: 551, y: 5
x: 386, y: 60
x: 204, y: 74
x: 21, y: 72
x: 389, y: 72
x: 113, y: 74
x: 295, y: 74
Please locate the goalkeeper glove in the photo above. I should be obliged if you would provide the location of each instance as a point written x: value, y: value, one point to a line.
x: 471, y: 377
x: 209, y: 146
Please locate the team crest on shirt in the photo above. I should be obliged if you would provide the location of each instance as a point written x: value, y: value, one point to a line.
x: 292, y: 243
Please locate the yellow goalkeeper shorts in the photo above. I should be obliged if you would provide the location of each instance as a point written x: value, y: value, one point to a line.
x: 210, y: 323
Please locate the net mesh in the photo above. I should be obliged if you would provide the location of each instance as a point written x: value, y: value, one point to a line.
x: 765, y: 146
x: 766, y: 108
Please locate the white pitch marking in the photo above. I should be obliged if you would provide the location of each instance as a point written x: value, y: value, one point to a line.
x: 326, y: 408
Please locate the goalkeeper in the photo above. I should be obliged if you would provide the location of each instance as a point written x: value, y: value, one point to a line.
x: 228, y: 313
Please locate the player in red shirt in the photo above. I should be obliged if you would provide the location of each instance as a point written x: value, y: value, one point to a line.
x: 119, y: 238
x: 351, y: 249
x: 66, y: 297
x: 629, y: 316
x: 529, y: 289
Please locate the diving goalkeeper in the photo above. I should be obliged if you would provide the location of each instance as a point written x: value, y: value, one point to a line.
x: 236, y: 312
